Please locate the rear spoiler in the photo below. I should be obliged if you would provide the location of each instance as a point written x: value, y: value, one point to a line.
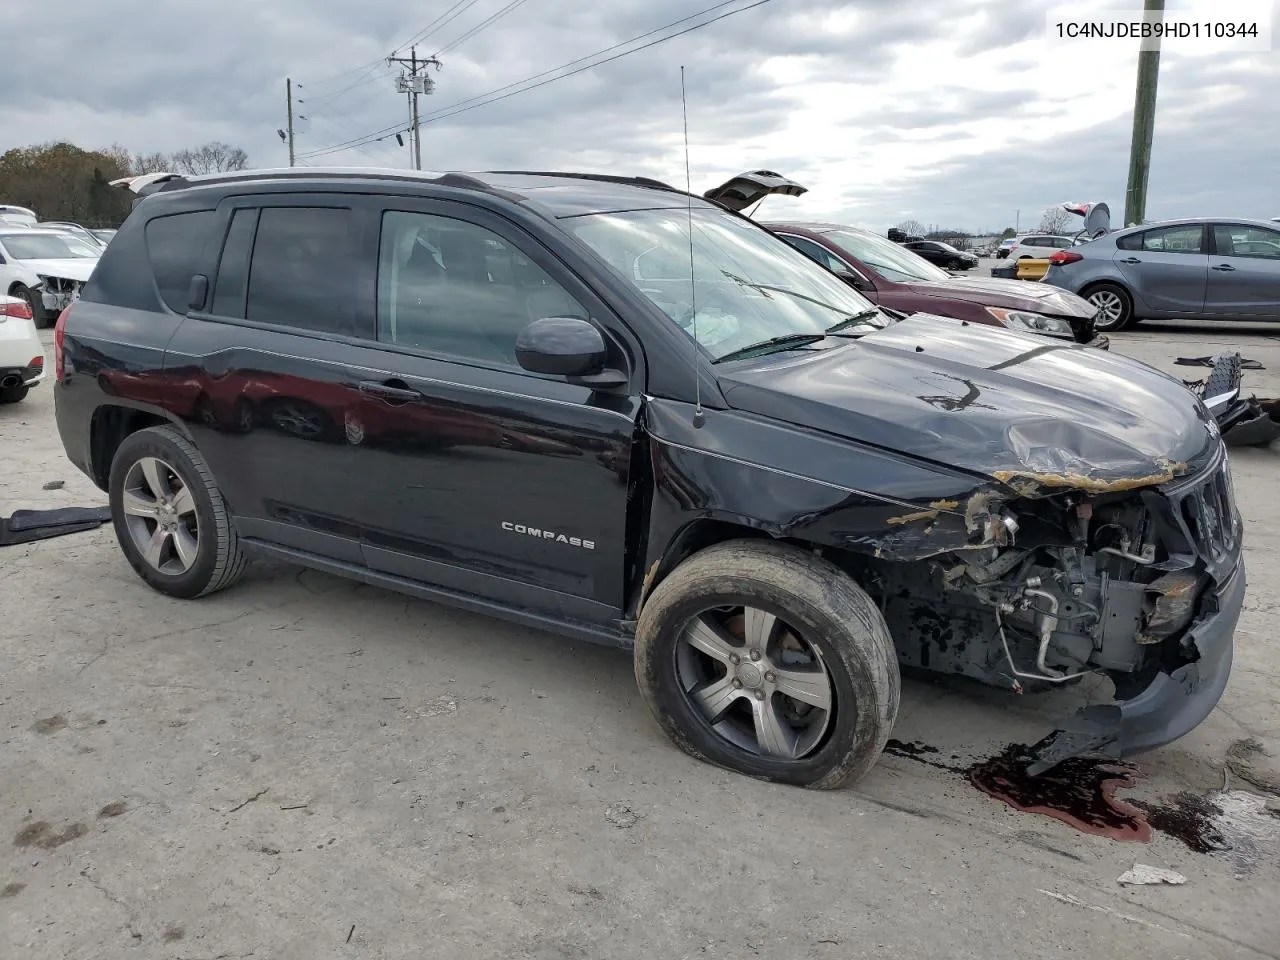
x: 146, y: 184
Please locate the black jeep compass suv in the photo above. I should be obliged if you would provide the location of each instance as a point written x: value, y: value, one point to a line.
x: 608, y: 408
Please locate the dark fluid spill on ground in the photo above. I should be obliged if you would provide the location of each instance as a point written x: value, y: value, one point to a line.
x: 1079, y: 791
x: 921, y: 753
x: 1189, y: 818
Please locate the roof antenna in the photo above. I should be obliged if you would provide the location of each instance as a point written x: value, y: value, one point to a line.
x: 698, y: 417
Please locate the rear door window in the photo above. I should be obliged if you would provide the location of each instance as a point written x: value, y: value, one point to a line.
x: 174, y: 245
x: 302, y: 269
x: 232, y: 285
x: 1180, y: 239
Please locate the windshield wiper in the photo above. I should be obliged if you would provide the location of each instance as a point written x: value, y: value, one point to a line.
x: 856, y: 319
x: 773, y: 345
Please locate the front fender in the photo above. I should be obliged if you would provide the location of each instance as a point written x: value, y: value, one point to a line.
x: 748, y: 473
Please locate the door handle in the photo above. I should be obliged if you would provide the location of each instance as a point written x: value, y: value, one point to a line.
x: 1223, y: 266
x: 389, y: 390
x: 1130, y: 260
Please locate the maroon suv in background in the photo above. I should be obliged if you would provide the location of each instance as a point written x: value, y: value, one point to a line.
x: 894, y: 277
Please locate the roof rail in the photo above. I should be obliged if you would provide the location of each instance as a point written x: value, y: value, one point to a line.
x: 149, y: 183
x: 603, y: 177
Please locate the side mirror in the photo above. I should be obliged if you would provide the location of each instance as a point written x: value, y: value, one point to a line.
x: 568, y: 347
x: 562, y: 346
x: 197, y: 292
x: 857, y: 281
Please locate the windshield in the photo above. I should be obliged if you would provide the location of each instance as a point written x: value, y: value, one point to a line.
x: 749, y: 285
x: 47, y: 247
x: 892, y: 261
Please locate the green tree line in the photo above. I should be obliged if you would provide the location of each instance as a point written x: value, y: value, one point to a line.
x: 61, y: 181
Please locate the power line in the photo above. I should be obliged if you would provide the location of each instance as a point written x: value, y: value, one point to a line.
x: 370, y: 74
x: 524, y: 86
x: 481, y: 26
x: 437, y: 114
x: 442, y: 21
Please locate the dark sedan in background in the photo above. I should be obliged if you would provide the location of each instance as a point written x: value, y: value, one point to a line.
x: 893, y: 276
x: 942, y: 254
x: 1195, y: 269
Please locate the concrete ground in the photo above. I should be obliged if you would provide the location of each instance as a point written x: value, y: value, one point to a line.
x: 302, y: 767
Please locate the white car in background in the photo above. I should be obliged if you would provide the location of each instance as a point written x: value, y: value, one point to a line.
x: 1039, y: 246
x: 44, y: 268
x: 21, y: 353
x: 11, y: 216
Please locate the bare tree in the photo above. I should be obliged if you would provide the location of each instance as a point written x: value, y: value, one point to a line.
x: 149, y: 163
x: 211, y: 157
x: 912, y: 228
x: 1054, y: 220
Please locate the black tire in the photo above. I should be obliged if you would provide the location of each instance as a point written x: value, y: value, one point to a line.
x: 824, y: 606
x: 14, y: 394
x: 219, y: 561
x: 1108, y: 293
x: 38, y: 315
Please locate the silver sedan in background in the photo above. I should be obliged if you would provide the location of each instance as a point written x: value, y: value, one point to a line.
x: 1200, y: 269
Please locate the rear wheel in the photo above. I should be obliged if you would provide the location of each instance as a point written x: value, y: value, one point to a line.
x: 1115, y: 306
x: 169, y: 516
x: 769, y: 661
x: 14, y: 394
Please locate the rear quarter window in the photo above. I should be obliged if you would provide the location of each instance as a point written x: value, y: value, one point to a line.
x: 174, y: 245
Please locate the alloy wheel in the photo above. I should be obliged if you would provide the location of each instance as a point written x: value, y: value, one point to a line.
x: 756, y: 681
x: 160, y: 514
x: 1110, y: 307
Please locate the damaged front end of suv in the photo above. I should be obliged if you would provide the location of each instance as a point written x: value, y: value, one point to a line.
x: 1048, y: 576
x: 1017, y: 531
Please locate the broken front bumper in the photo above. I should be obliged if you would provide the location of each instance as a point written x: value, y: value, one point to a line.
x: 1171, y: 706
x: 55, y: 296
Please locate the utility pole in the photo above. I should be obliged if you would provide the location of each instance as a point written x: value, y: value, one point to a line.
x: 415, y: 84
x: 1144, y: 120
x: 417, y: 125
x: 288, y: 96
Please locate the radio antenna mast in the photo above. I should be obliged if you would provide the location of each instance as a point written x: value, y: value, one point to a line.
x: 698, y: 416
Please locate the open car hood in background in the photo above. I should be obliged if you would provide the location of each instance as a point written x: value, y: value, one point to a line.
x: 751, y: 187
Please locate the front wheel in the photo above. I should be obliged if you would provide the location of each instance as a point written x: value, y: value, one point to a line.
x: 32, y: 299
x: 169, y: 516
x: 1114, y: 305
x: 764, y: 659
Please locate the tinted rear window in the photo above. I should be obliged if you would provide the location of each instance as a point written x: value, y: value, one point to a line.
x: 303, y: 269
x: 174, y: 245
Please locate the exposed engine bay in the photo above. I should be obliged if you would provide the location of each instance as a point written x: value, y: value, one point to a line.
x: 57, y: 293
x: 1070, y: 584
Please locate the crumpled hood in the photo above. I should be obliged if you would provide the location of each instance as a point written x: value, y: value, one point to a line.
x: 77, y: 268
x: 1010, y: 294
x: 984, y: 399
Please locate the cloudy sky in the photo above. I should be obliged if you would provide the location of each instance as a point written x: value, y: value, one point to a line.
x: 955, y: 112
